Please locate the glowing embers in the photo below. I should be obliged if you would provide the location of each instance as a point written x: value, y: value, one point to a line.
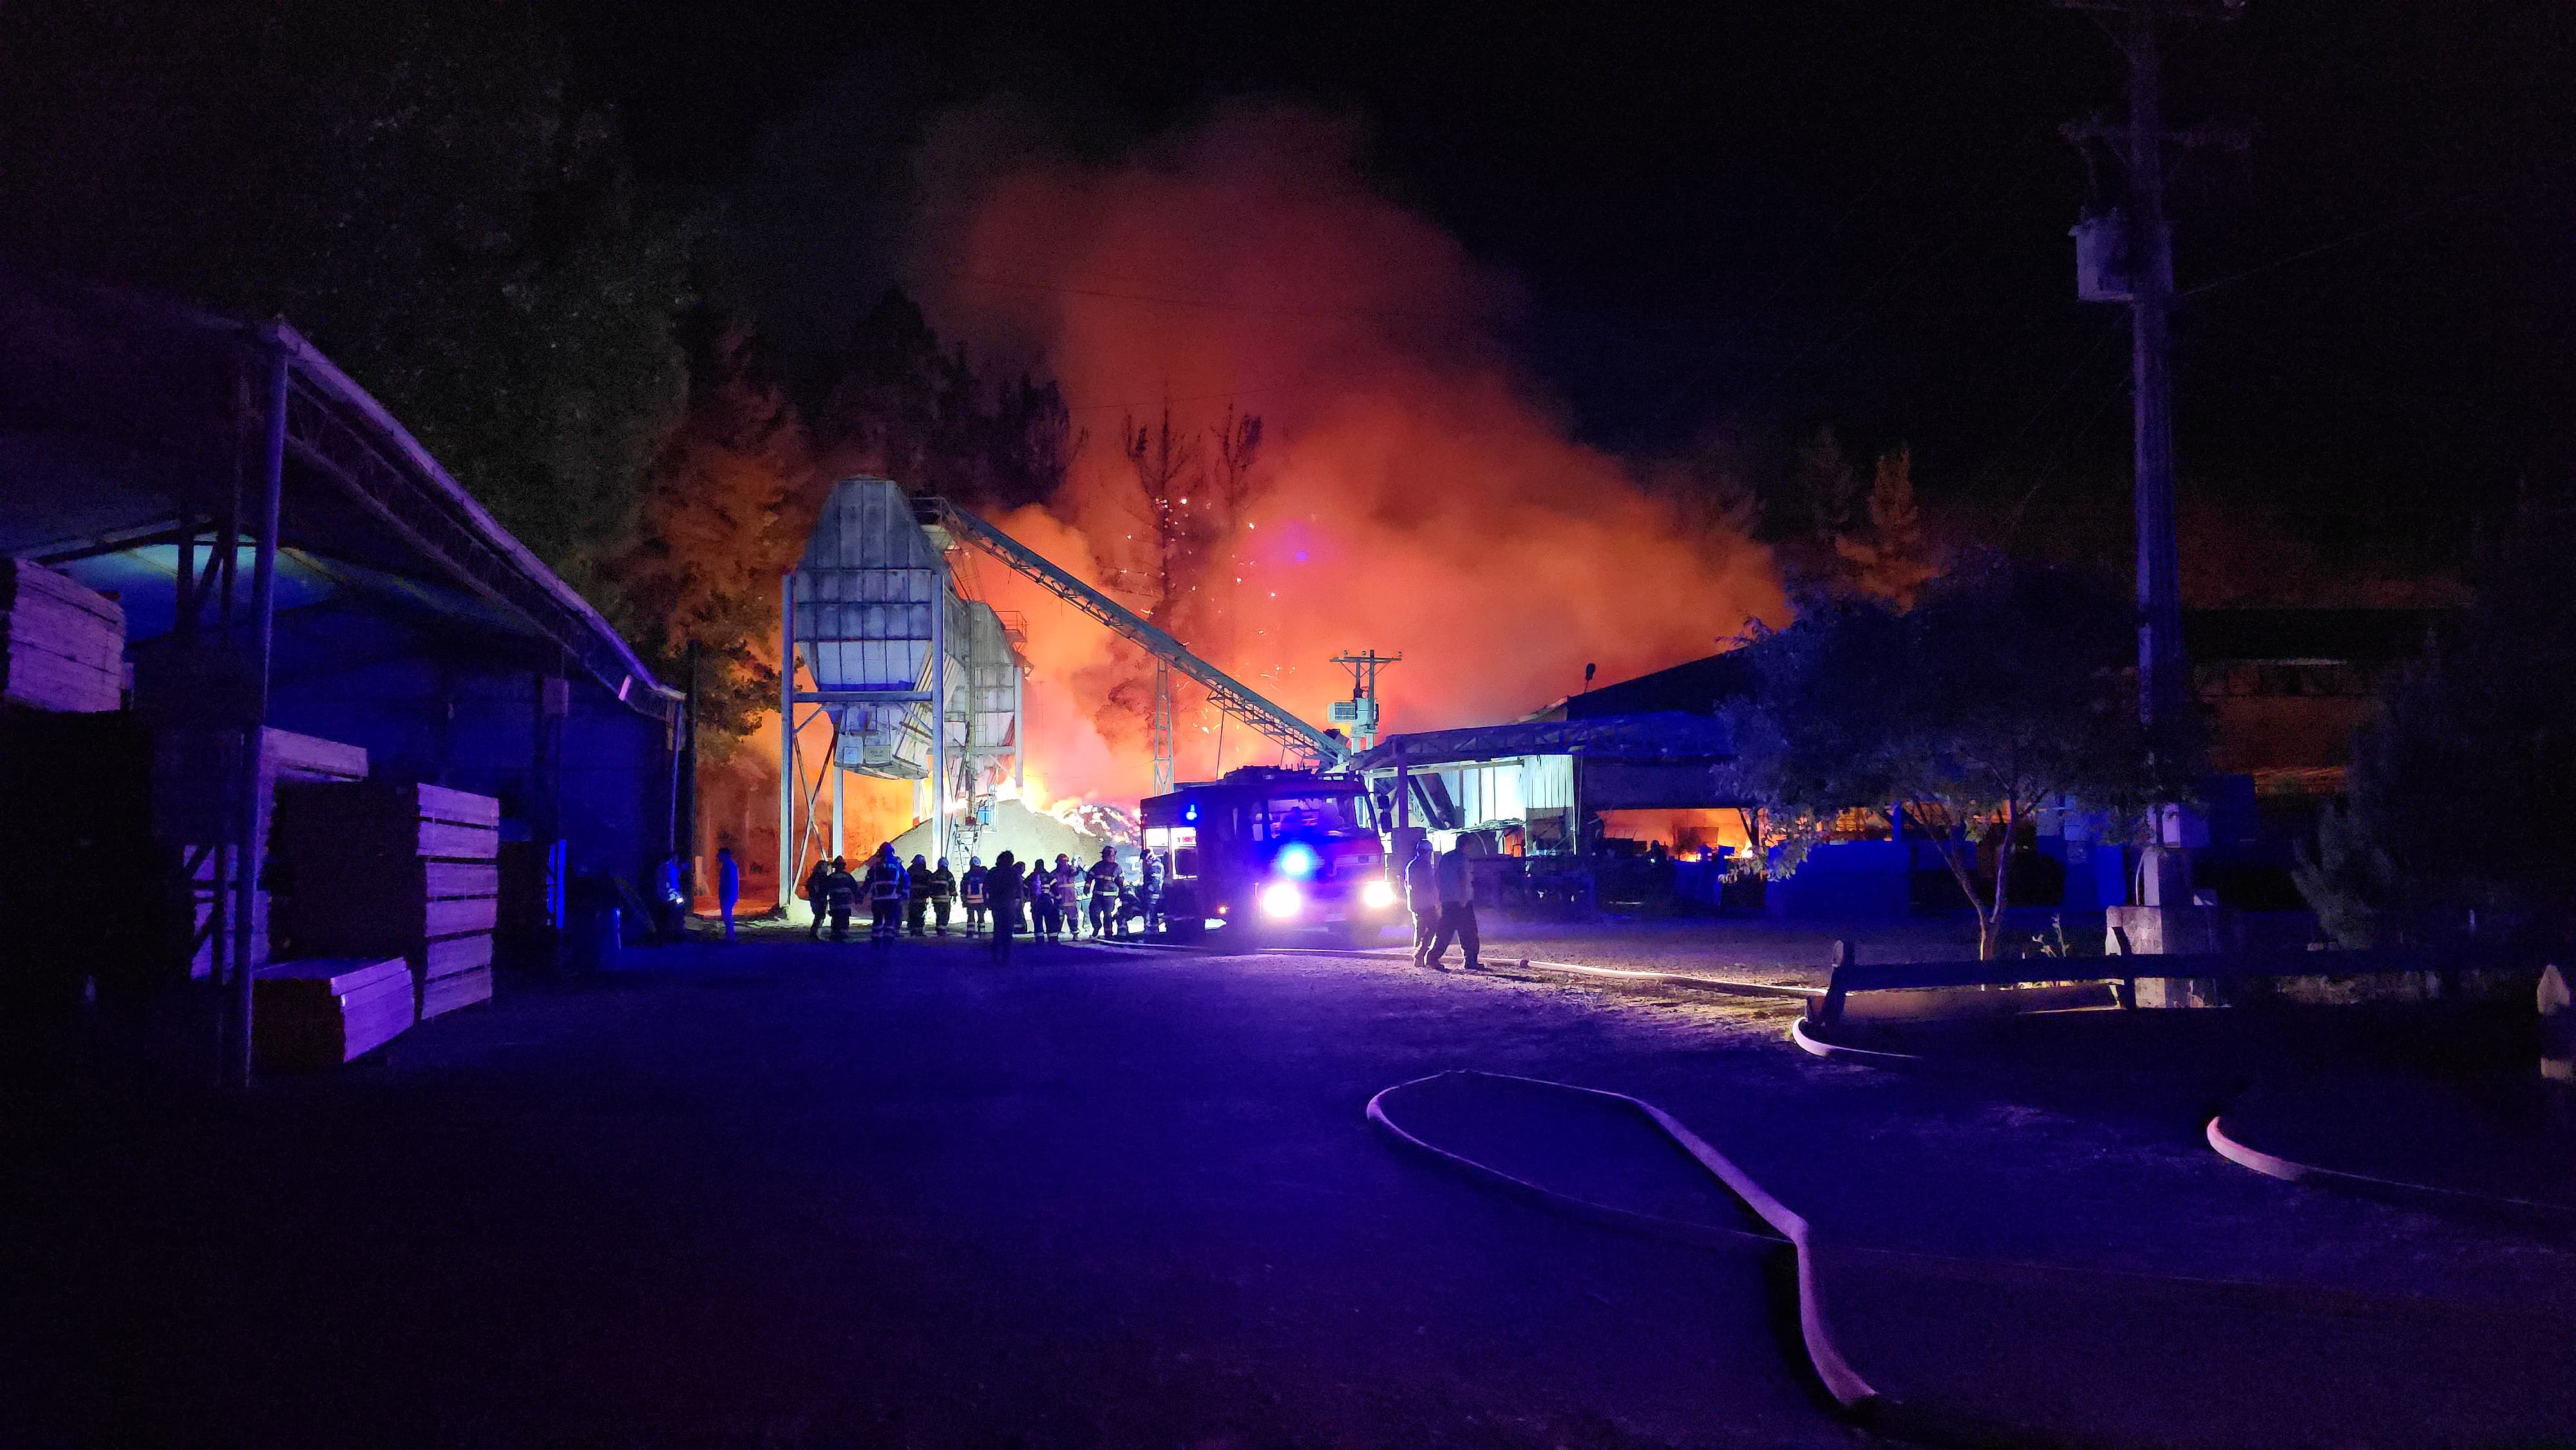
x: 1297, y: 859
x: 1281, y: 901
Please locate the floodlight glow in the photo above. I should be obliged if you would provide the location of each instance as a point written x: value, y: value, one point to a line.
x: 1281, y: 900
x: 1298, y: 860
x: 1377, y: 896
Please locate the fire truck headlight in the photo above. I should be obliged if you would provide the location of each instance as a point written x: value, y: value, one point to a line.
x: 1377, y: 896
x: 1297, y: 859
x: 1281, y: 900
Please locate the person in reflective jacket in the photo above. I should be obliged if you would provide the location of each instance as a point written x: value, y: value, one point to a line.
x: 974, y: 892
x: 916, y: 894
x: 1068, y: 896
x: 943, y: 895
x: 1149, y: 891
x: 837, y: 895
x: 1422, y: 898
x: 1105, y: 881
x: 1457, y: 908
x: 887, y: 889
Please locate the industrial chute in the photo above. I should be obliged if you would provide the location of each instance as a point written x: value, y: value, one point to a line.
x: 923, y: 682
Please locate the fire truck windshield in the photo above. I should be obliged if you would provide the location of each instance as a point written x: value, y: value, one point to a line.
x: 1316, y: 815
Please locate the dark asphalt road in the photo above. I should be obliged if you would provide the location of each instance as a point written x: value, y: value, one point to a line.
x: 784, y: 1195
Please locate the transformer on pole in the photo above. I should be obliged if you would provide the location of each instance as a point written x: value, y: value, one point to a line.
x: 1360, y: 711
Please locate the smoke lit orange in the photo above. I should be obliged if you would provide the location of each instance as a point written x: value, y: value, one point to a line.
x: 1417, y: 495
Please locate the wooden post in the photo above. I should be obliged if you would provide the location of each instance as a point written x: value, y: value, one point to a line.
x: 1835, y: 987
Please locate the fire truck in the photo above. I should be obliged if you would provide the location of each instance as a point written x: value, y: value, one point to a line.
x: 1271, y: 853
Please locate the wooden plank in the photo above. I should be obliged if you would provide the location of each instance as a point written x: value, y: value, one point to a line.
x: 459, y: 843
x: 30, y: 658
x: 462, y: 914
x: 451, y: 954
x: 53, y: 684
x: 439, y: 803
x: 299, y: 1028
x: 74, y: 637
x: 49, y: 674
x: 461, y: 989
x: 285, y: 752
x: 328, y: 977
x: 21, y: 580
x: 460, y: 878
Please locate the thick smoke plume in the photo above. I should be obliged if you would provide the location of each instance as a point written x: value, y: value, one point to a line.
x: 1411, y: 491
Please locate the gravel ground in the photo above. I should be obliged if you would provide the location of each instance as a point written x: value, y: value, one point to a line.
x: 788, y: 1195
x: 783, y: 1195
x: 1783, y: 953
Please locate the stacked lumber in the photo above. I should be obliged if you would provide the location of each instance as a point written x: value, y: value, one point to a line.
x: 381, y: 869
x: 323, y: 1013
x: 62, y: 646
x: 194, y: 775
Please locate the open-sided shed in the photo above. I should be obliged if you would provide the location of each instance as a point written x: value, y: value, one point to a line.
x: 289, y: 557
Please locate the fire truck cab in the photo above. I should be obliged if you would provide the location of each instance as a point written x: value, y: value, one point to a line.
x: 1270, y: 852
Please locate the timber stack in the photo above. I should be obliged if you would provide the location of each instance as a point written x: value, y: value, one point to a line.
x: 381, y: 869
x: 62, y: 645
x: 323, y: 1013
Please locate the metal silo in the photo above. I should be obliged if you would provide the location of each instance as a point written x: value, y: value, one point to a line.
x: 873, y: 624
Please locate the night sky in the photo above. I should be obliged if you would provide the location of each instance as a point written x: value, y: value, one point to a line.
x: 1772, y: 217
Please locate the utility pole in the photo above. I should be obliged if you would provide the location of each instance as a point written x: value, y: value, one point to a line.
x: 1360, y: 710
x: 2125, y: 254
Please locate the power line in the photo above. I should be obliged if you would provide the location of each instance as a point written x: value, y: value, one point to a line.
x: 2102, y: 336
x: 2375, y: 229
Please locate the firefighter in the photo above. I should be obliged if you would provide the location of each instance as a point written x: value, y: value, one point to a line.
x: 1149, y: 891
x: 728, y: 887
x: 943, y: 895
x: 887, y: 889
x: 1044, y: 922
x: 1106, y: 882
x: 1068, y: 897
x: 837, y: 895
x: 916, y: 900
x: 1422, y: 898
x: 1037, y: 892
x: 1005, y: 886
x: 1457, y: 908
x: 972, y: 891
x: 814, y: 884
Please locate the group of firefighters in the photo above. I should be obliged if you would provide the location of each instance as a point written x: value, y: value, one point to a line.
x: 920, y: 899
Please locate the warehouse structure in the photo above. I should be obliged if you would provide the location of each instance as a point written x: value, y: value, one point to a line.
x: 305, y: 589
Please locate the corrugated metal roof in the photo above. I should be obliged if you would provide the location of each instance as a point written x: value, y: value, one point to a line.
x: 1667, y: 737
x: 115, y: 406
